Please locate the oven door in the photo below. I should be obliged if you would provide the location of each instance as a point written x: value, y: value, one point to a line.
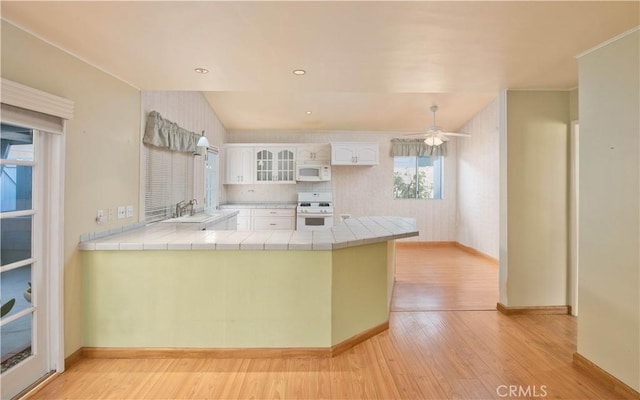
x: 314, y: 222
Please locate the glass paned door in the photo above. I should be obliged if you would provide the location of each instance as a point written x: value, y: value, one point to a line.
x: 211, y: 182
x: 23, y: 321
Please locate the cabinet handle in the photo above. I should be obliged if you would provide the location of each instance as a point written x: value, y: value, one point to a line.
x: 272, y: 224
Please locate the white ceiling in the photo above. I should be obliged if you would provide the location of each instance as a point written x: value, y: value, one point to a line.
x: 371, y: 65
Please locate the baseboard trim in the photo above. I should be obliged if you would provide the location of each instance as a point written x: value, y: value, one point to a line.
x: 475, y: 252
x: 258, y: 352
x: 184, y: 352
x: 73, y: 358
x: 414, y: 244
x: 470, y: 250
x: 609, y: 380
x: 530, y: 310
x: 359, y: 338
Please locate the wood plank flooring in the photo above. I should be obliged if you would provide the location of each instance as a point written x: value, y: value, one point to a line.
x: 424, y: 355
x: 443, y: 278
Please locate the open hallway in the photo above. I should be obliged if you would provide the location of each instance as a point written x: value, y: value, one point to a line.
x: 424, y: 355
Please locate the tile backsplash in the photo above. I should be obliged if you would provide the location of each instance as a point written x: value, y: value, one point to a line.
x: 273, y: 193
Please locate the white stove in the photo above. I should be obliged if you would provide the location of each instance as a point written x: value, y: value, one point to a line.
x: 314, y: 211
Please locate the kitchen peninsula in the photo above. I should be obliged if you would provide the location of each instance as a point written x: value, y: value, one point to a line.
x: 310, y: 292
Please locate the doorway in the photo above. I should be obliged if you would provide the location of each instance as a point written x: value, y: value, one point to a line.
x: 211, y: 180
x: 31, y: 237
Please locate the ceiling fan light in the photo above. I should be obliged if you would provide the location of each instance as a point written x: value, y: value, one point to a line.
x: 433, y: 141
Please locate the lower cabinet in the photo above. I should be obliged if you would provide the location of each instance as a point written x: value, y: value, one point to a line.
x: 244, y: 220
x: 273, y: 218
x: 228, y: 224
x: 260, y: 219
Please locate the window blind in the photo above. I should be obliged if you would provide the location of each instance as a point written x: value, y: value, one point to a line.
x: 33, y: 119
x: 168, y: 180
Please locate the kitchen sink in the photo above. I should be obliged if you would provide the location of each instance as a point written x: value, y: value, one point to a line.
x: 191, y: 218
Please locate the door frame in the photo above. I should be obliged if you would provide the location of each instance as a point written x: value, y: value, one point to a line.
x: 35, y: 109
x: 574, y: 190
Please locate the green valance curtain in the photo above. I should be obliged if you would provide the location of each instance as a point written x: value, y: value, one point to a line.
x: 163, y: 133
x: 416, y: 147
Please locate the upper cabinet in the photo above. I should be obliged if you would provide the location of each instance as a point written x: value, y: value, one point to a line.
x: 314, y: 153
x: 239, y: 162
x: 275, y: 164
x: 354, y: 153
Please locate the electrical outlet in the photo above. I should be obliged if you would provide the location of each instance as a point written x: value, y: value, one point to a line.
x: 129, y: 211
x: 110, y: 214
x: 100, y: 217
x: 121, y: 212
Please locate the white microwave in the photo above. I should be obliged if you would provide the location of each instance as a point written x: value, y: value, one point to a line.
x: 306, y: 172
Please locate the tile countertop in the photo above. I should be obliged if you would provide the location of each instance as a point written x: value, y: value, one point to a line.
x: 351, y: 232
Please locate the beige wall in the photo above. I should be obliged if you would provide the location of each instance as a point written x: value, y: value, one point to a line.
x: 609, y: 215
x: 573, y: 105
x: 360, y: 191
x: 479, y: 183
x: 102, y: 147
x: 537, y: 190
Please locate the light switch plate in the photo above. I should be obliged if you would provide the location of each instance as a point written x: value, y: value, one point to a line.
x: 121, y: 212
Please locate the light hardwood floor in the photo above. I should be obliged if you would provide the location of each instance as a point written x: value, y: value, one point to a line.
x: 443, y: 278
x: 423, y: 355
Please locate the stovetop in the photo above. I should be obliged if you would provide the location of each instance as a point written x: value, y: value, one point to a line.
x: 306, y: 198
x: 315, y: 202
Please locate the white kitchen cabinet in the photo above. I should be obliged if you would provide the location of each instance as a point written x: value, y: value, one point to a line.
x: 275, y: 165
x: 313, y: 153
x: 239, y: 161
x: 354, y: 153
x: 259, y: 219
x: 273, y: 218
x: 243, y: 220
x: 228, y: 224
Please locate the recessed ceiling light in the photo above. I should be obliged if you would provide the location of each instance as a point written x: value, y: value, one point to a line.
x: 201, y: 70
x: 308, y: 112
x: 299, y: 72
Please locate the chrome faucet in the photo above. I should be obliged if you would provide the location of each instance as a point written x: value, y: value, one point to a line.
x: 180, y: 208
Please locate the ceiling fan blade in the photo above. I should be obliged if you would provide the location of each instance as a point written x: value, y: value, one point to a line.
x: 416, y: 134
x: 456, y: 134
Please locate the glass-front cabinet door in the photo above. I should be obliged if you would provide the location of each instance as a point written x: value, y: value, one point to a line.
x: 286, y: 166
x: 275, y: 165
x: 264, y: 166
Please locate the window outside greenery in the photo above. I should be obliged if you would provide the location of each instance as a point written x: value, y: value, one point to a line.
x: 417, y: 177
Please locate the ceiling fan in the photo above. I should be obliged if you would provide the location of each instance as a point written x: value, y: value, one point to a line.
x: 435, y: 136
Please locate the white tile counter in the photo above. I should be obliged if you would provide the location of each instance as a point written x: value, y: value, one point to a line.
x: 237, y: 206
x: 166, y: 236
